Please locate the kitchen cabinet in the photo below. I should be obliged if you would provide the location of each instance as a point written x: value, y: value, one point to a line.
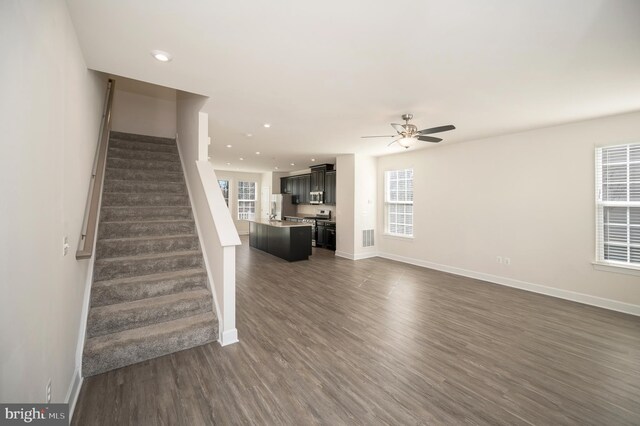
x: 306, y: 188
x: 299, y: 186
x: 322, y: 178
x: 330, y: 188
x: 286, y: 240
x: 317, y: 180
x: 320, y: 236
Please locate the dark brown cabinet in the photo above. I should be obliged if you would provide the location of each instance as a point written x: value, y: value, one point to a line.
x: 322, y: 178
x: 330, y: 188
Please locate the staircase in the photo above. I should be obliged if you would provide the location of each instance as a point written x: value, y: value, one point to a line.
x: 149, y: 295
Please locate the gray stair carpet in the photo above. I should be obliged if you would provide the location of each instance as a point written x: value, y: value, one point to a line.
x: 149, y: 295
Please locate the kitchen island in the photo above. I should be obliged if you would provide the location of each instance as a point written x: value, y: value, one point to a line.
x: 288, y: 240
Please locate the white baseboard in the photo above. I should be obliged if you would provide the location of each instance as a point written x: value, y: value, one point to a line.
x: 229, y: 337
x: 352, y: 256
x: 74, y: 391
x: 586, y: 299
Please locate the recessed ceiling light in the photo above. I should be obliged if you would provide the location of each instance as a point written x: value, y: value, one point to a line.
x: 241, y: 159
x: 161, y: 55
x: 293, y: 164
x: 228, y: 146
x: 276, y: 167
x: 313, y: 159
x: 257, y: 152
x: 228, y: 164
x: 249, y: 135
x: 267, y: 125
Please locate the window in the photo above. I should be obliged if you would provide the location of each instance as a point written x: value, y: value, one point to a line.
x: 618, y: 205
x: 246, y: 200
x: 398, y: 197
x: 224, y: 186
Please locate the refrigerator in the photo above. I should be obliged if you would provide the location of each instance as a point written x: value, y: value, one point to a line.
x: 281, y: 206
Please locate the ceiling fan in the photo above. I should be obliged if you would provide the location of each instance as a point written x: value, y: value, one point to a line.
x: 408, y: 132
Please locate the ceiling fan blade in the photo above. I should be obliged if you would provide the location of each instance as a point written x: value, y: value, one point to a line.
x: 399, y: 127
x: 428, y: 139
x: 390, y: 136
x: 437, y: 129
x: 392, y: 142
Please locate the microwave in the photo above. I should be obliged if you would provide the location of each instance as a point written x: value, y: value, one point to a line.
x: 317, y: 197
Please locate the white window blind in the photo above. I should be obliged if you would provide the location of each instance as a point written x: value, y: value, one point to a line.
x: 618, y: 205
x: 399, y: 202
x: 246, y: 200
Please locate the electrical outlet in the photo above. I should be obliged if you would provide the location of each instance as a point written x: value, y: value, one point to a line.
x: 499, y: 259
x: 49, y: 391
x: 65, y: 246
x: 507, y: 261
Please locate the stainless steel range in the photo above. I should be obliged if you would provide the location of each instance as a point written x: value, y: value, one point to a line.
x: 322, y: 215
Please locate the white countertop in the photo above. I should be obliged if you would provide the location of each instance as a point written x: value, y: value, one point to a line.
x: 278, y: 223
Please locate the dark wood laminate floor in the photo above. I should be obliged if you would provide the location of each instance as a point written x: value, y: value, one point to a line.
x: 332, y: 341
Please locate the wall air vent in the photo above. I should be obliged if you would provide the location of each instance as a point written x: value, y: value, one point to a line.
x: 367, y: 238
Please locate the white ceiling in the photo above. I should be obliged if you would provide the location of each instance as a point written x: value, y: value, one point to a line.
x: 325, y: 73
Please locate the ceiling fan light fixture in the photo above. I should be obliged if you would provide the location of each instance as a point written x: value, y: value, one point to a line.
x: 405, y: 142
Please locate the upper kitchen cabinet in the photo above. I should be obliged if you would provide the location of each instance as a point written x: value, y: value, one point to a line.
x: 322, y: 178
x: 330, y: 187
x: 318, y: 176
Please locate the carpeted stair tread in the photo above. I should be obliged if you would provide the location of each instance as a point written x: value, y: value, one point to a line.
x: 109, y: 247
x: 112, y: 173
x: 131, y: 266
x: 140, y: 313
x: 145, y: 213
x: 132, y: 154
x: 121, y: 290
x: 145, y: 228
x: 104, y: 353
x: 150, y: 293
x: 150, y: 199
x: 141, y: 138
x: 132, y: 186
x: 129, y: 163
x: 142, y: 146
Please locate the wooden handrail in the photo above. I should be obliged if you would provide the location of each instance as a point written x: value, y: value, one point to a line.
x: 88, y: 235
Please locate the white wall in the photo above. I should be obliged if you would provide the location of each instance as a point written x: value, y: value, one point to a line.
x: 242, y: 226
x: 50, y: 109
x: 365, y: 203
x: 345, y: 213
x: 144, y: 108
x: 527, y: 196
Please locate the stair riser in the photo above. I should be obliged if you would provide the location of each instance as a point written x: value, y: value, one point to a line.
x: 144, y: 229
x: 106, y: 270
x: 134, y: 187
x: 111, y: 199
x: 120, y: 248
x: 128, y: 292
x: 142, y: 146
x: 132, y: 154
x: 127, y: 353
x: 141, y: 138
x: 143, y: 175
x: 100, y: 323
x: 156, y: 165
x: 115, y: 214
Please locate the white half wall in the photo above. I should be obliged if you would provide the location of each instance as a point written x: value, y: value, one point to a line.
x: 218, y: 236
x: 50, y: 109
x: 143, y: 108
x: 527, y: 196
